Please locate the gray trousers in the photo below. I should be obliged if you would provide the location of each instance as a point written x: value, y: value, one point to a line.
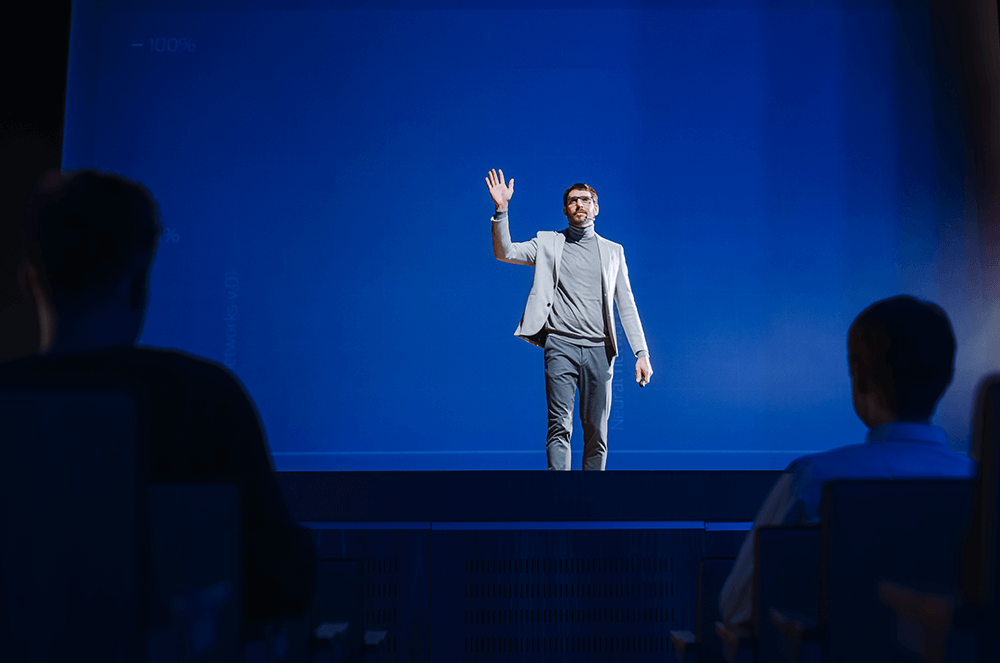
x: 567, y: 368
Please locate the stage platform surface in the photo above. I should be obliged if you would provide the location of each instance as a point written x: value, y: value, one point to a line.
x: 522, y: 496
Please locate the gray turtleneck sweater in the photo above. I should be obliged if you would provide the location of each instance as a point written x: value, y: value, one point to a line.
x: 578, y: 309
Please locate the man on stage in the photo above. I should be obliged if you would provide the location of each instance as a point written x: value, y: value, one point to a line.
x: 569, y: 314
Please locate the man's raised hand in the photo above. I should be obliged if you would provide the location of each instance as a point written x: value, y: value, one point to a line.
x: 500, y: 192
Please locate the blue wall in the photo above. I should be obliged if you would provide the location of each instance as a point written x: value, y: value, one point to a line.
x: 770, y: 168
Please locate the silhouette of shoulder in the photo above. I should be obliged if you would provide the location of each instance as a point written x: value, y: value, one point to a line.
x: 202, y: 419
x: 898, y: 457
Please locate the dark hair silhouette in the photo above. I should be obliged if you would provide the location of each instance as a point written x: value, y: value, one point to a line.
x: 85, y: 231
x: 905, y: 349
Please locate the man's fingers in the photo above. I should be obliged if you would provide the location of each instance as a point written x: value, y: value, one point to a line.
x: 493, y: 180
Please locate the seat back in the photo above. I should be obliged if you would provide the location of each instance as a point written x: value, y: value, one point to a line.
x: 71, y: 511
x: 905, y: 531
x: 712, y: 574
x: 194, y: 610
x: 338, y: 610
x: 786, y: 577
x: 981, y: 564
x: 95, y: 563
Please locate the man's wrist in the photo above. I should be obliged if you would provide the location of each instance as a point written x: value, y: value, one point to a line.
x: 500, y: 214
x: 641, y: 353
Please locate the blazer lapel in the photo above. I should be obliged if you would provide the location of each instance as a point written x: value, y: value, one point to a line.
x: 558, y: 242
x: 605, y: 262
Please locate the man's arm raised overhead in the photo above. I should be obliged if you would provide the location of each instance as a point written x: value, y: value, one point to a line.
x: 520, y: 253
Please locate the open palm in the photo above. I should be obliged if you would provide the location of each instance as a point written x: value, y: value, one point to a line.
x: 500, y: 192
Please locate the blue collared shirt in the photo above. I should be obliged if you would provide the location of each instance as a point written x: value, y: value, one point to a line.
x: 897, y: 450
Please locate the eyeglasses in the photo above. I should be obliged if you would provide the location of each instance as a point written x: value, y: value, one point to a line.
x: 580, y: 200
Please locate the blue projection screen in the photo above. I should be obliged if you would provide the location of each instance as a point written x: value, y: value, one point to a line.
x: 770, y: 168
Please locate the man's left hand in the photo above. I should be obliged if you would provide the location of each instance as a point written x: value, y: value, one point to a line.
x: 643, y: 371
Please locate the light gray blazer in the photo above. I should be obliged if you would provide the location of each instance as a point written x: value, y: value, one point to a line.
x: 544, y: 252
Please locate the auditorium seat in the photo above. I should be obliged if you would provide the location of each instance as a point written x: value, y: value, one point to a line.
x: 97, y: 565
x: 786, y: 574
x: 338, y: 611
x: 703, y: 645
x: 333, y: 629
x: 279, y: 641
x: 962, y: 625
x: 194, y: 592
x: 904, y: 531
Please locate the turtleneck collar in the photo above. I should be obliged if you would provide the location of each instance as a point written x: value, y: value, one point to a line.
x: 575, y: 234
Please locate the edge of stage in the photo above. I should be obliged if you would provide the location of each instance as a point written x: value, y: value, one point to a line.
x: 526, y: 496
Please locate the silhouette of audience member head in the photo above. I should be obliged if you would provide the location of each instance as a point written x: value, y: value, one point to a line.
x: 90, y: 239
x: 901, y: 353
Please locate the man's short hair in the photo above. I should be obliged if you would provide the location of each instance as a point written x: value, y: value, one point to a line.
x: 904, y: 348
x: 579, y: 186
x: 85, y: 231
